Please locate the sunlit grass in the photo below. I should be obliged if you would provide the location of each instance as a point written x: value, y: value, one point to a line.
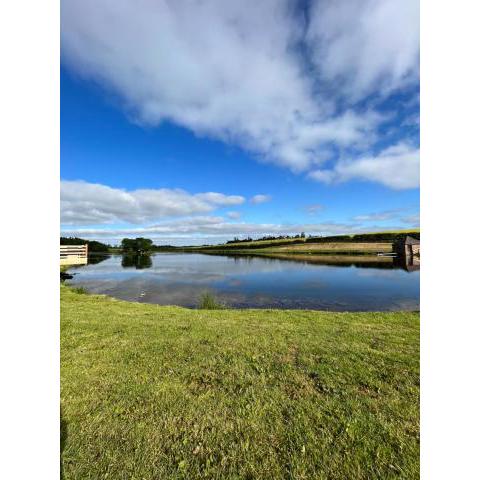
x: 152, y: 392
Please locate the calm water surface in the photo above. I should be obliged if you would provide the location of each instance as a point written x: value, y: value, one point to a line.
x: 322, y: 283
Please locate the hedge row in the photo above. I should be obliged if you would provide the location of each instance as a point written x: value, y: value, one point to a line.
x: 366, y: 237
x: 255, y: 245
x: 93, y: 245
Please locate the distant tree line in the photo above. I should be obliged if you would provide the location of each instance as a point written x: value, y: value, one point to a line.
x: 266, y: 238
x: 388, y: 237
x: 160, y: 248
x: 360, y: 237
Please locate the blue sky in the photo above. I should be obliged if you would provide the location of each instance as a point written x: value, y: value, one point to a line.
x: 211, y: 121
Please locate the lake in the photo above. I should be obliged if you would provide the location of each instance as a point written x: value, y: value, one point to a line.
x: 337, y: 283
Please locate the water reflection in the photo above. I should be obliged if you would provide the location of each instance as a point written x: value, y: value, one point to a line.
x: 95, y: 258
x: 327, y: 282
x: 411, y: 263
x: 136, y: 261
x: 408, y: 263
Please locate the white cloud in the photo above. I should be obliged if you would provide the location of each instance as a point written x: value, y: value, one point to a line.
x: 219, y: 198
x: 214, y: 227
x: 260, y: 198
x: 397, y: 167
x: 85, y: 203
x: 325, y: 176
x: 232, y: 71
x: 366, y: 46
x: 234, y: 215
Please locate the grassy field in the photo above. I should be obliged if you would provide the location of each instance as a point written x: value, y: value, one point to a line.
x: 150, y: 392
x: 330, y: 248
x: 298, y: 243
x: 344, y: 248
x: 336, y: 247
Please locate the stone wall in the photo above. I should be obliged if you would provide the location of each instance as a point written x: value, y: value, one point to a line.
x: 415, y: 249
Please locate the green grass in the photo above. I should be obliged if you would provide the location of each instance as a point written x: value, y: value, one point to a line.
x: 340, y: 248
x: 336, y: 247
x: 151, y: 392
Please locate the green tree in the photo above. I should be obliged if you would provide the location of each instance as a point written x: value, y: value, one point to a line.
x: 128, y: 245
x: 138, y: 245
x: 143, y: 245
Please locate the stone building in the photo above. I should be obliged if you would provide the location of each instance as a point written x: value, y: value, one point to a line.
x: 411, y: 246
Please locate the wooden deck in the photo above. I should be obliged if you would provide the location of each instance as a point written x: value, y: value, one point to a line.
x: 73, y: 254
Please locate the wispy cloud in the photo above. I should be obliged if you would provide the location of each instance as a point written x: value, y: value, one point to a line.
x: 236, y: 71
x: 314, y: 208
x: 377, y: 216
x: 397, y: 215
x: 261, y: 198
x: 413, y: 220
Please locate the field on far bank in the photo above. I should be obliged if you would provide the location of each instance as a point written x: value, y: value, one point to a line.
x: 151, y: 392
x: 355, y: 244
x: 333, y: 247
x: 293, y: 246
x: 361, y: 240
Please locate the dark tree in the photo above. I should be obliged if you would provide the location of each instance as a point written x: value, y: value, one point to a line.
x: 138, y: 245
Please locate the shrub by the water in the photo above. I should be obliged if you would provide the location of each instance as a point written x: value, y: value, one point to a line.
x: 80, y: 290
x: 208, y: 302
